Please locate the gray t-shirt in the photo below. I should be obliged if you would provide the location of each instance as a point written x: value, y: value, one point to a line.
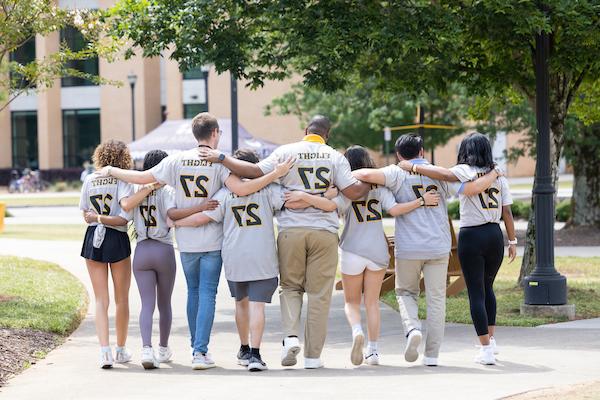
x: 194, y: 181
x: 103, y: 195
x: 423, y: 233
x: 249, y: 250
x: 150, y: 216
x: 363, y: 228
x: 317, y: 167
x: 485, y: 207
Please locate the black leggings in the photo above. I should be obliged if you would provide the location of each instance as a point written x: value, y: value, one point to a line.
x: 480, y: 251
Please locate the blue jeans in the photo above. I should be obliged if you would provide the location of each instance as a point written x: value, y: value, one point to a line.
x: 202, y: 272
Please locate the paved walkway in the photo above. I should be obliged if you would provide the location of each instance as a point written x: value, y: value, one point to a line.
x: 531, y: 358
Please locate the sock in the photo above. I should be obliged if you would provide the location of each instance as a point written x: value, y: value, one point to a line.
x: 255, y: 352
x: 356, y: 329
x: 119, y: 348
x: 245, y: 347
x: 372, y: 346
x: 105, y: 349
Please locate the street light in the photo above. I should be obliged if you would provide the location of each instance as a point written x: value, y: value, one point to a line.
x: 132, y: 78
x: 545, y: 286
x: 234, y: 113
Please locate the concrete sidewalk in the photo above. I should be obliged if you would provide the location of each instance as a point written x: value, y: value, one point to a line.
x: 531, y: 358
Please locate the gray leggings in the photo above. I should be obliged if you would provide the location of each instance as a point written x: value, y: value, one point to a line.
x: 154, y: 268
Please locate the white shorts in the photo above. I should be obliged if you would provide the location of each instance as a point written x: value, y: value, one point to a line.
x: 353, y: 264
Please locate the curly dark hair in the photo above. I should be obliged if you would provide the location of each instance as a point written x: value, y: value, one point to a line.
x: 114, y: 153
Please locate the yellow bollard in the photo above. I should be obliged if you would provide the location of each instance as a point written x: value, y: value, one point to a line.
x: 2, y: 212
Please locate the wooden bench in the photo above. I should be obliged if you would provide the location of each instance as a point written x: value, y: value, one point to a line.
x: 455, y: 281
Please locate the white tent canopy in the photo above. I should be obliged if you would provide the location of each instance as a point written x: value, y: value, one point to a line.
x: 175, y: 136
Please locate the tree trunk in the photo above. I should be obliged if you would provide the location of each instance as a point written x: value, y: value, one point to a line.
x: 556, y: 140
x: 586, y: 188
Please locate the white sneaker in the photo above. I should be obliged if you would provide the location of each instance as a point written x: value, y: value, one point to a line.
x: 106, y: 359
x: 356, y: 355
x: 291, y: 349
x: 313, y: 363
x: 149, y: 360
x: 494, y: 345
x: 164, y: 354
x: 486, y: 356
x: 202, y: 361
x: 411, y: 352
x: 430, y: 361
x: 372, y: 358
x: 122, y: 355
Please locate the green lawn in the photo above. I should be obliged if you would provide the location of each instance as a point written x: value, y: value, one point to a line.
x: 561, y: 185
x: 583, y: 277
x: 40, y: 296
x: 37, y: 201
x: 44, y: 232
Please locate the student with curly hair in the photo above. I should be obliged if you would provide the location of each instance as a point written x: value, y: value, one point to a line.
x: 106, y: 246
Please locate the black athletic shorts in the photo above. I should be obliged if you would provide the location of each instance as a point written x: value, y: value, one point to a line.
x: 260, y: 291
x: 116, y: 246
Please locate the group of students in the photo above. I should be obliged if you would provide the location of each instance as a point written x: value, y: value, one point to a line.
x: 222, y: 209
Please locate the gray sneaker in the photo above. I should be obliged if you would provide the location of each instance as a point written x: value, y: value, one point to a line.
x: 256, y: 364
x: 243, y: 357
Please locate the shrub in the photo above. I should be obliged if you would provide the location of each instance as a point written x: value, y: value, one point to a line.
x: 563, y: 210
x: 453, y: 209
x: 521, y: 209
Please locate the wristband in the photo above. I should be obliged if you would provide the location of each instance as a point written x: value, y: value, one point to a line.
x: 322, y: 194
x: 513, y: 242
x: 98, y: 219
x: 414, y: 168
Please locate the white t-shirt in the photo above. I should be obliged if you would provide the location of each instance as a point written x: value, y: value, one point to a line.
x: 317, y: 167
x: 150, y: 216
x: 103, y: 194
x: 363, y: 226
x: 249, y: 250
x: 424, y: 233
x: 485, y: 207
x: 194, y: 181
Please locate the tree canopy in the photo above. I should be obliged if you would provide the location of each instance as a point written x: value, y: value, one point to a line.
x: 21, y: 21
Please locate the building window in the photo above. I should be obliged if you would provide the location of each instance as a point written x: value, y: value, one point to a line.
x: 81, y: 135
x: 76, y: 42
x: 191, y: 110
x: 195, y: 92
x: 22, y: 55
x: 24, y: 139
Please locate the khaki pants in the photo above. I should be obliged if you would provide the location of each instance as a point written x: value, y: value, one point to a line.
x: 408, y: 275
x: 307, y: 263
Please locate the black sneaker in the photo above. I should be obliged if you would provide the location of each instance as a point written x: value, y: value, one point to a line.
x: 243, y: 357
x: 256, y: 364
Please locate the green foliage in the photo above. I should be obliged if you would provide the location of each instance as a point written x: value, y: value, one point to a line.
x: 521, y: 209
x: 21, y: 21
x: 563, y: 210
x: 359, y: 113
x: 454, y: 209
x: 584, y: 292
x: 40, y: 295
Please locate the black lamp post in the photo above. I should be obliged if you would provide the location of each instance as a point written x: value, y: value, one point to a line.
x: 545, y: 286
x: 234, y: 114
x: 132, y: 78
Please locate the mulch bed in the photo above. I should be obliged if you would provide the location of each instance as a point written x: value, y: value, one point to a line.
x: 20, y: 346
x: 571, y: 236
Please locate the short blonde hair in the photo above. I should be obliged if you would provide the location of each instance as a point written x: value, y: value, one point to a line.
x: 203, y: 125
x: 114, y: 153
